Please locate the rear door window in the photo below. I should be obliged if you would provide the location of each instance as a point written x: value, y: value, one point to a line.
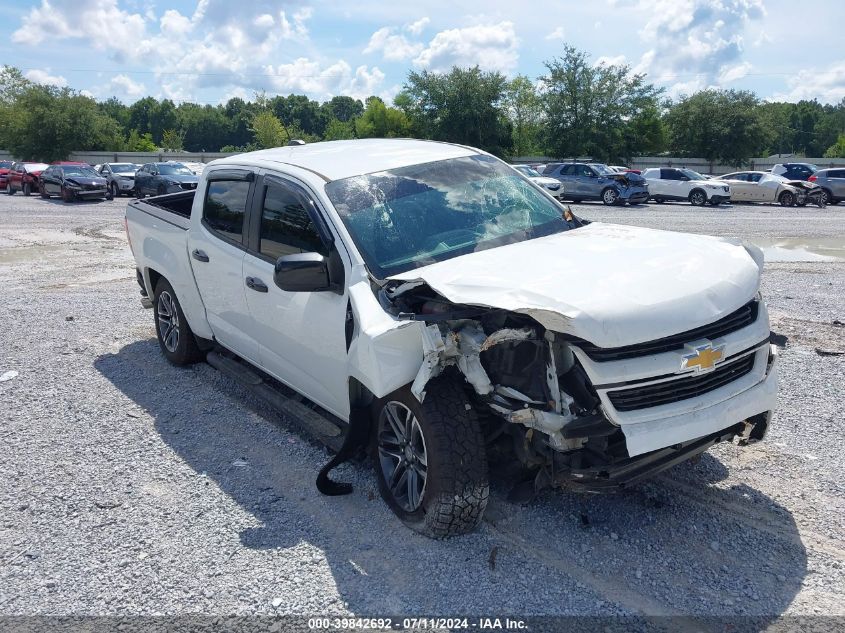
x: 224, y: 209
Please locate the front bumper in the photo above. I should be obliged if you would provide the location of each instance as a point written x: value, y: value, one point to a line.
x: 635, y: 196
x: 702, y: 420
x: 612, y: 477
x: 90, y: 193
x: 651, y: 427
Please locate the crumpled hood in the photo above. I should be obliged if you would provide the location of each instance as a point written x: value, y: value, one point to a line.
x: 86, y: 180
x: 609, y: 284
x: 545, y: 181
x: 181, y: 178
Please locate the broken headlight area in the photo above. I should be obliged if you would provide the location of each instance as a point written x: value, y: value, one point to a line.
x: 532, y: 395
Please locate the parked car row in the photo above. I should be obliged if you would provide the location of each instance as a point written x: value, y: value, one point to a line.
x: 787, y: 184
x: 72, y: 181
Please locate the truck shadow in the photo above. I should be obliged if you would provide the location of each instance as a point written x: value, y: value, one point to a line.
x: 674, y: 546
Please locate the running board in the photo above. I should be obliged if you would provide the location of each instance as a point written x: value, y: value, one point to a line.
x: 322, y: 428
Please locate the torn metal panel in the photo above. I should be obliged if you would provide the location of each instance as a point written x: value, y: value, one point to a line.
x: 384, y: 354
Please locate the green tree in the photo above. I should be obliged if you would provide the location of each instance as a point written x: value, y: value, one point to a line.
x: 837, y: 150
x: 723, y: 125
x: 47, y: 123
x: 173, y: 140
x: 522, y: 105
x: 588, y: 107
x: 268, y: 131
x: 140, y: 142
x: 343, y: 108
x: 462, y: 106
x: 337, y: 130
x: 381, y: 121
x: 300, y: 112
x: 206, y: 128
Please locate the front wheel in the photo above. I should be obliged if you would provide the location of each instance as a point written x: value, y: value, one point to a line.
x: 827, y: 198
x: 27, y: 189
x: 787, y: 199
x: 9, y: 190
x: 610, y: 196
x: 430, y: 459
x: 67, y: 194
x: 42, y: 191
x: 174, y: 335
x: 698, y: 198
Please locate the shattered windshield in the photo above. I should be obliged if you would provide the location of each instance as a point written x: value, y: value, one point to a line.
x: 414, y: 216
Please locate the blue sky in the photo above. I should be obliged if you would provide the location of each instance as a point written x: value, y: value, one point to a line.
x: 207, y: 51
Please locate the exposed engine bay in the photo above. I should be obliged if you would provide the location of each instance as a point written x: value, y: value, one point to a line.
x: 808, y: 193
x: 526, y: 383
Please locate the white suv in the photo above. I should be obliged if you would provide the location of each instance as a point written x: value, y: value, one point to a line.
x: 670, y: 183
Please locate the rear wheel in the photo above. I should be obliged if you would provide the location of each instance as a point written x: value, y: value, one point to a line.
x: 610, y: 196
x: 42, y: 191
x: 430, y: 459
x: 174, y: 335
x: 787, y: 199
x: 659, y: 200
x: 698, y: 198
x: 9, y: 190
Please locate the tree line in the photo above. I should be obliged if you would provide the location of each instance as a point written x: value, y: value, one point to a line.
x: 575, y: 109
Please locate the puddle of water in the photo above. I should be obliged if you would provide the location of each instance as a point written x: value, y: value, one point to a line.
x: 802, y: 249
x: 27, y: 253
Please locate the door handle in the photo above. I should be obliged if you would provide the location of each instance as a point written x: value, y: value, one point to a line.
x: 199, y: 255
x: 254, y: 283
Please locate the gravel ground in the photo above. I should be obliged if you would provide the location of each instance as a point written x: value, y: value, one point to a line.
x: 128, y: 486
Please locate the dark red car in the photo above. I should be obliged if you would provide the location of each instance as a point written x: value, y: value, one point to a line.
x: 5, y: 166
x: 23, y: 176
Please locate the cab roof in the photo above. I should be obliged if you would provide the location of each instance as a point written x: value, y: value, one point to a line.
x: 335, y: 160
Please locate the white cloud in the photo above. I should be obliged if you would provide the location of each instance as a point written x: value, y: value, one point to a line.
x: 44, y: 77
x: 124, y: 85
x: 491, y: 46
x: 309, y: 76
x: 558, y: 34
x: 415, y: 28
x: 100, y: 22
x: 827, y: 84
x: 696, y: 43
x: 734, y: 72
x: 393, y: 47
x: 174, y: 23
x: 606, y: 60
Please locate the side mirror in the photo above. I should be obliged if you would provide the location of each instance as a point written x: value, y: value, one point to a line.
x: 309, y: 272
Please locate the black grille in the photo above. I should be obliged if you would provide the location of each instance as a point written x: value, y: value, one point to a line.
x: 736, y: 320
x: 682, y: 388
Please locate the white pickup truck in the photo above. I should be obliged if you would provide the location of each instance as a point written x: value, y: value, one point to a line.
x: 428, y: 302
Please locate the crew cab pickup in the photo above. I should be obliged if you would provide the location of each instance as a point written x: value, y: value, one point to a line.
x: 433, y: 305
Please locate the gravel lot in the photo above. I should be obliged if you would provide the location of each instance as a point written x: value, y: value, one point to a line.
x: 128, y: 486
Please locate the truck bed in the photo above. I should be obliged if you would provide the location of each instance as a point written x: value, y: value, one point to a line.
x: 174, y: 208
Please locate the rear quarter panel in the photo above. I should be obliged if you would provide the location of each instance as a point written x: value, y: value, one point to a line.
x: 160, y: 245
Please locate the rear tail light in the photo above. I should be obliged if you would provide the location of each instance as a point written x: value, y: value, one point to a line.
x: 812, y: 178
